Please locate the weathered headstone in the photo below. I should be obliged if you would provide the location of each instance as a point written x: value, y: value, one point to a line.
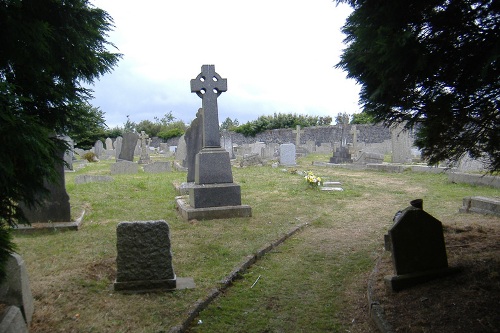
x: 416, y: 242
x: 194, y: 143
x: 181, y: 151
x: 144, y: 257
x: 128, y: 146
x: 109, y: 144
x: 83, y: 179
x: 124, y: 167
x: 15, y: 290
x: 287, y: 154
x: 157, y: 167
x: 355, y: 132
x: 118, y: 147
x: 98, y: 148
x: 144, y: 159
x: 214, y: 186
x: 401, y: 144
x: 227, y: 143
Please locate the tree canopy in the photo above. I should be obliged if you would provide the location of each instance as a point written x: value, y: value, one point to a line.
x: 433, y: 64
x: 49, y: 49
x: 280, y: 120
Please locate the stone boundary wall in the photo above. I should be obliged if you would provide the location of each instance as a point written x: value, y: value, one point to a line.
x: 320, y: 134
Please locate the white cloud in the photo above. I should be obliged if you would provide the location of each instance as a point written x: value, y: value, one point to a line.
x: 277, y: 55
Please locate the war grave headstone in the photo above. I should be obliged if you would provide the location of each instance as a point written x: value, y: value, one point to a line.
x: 214, y: 194
x: 287, y: 154
x: 144, y: 258
x: 144, y: 158
x: 416, y: 242
x: 15, y: 290
x: 129, y: 143
x: 401, y: 144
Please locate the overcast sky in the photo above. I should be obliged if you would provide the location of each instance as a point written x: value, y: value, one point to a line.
x: 278, y: 56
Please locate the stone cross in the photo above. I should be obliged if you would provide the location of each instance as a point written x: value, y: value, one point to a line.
x: 297, y: 136
x: 208, y: 85
x: 354, y: 132
x: 143, y: 138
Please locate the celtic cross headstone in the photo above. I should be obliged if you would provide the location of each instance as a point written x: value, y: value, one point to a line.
x: 208, y: 85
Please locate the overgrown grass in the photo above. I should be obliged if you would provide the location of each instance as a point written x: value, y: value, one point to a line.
x: 306, y: 285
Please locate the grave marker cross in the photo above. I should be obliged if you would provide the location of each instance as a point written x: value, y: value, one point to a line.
x: 208, y: 85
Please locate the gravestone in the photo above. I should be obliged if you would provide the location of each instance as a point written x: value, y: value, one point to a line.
x: 402, y: 142
x: 297, y: 136
x: 227, y: 143
x: 144, y: 257
x: 124, y: 167
x: 128, y: 146
x: 157, y: 167
x: 194, y: 143
x: 98, y: 148
x: 109, y: 144
x: 118, y: 147
x: 355, y: 132
x: 83, y: 179
x: 15, y: 290
x: 214, y: 193
x: 181, y: 151
x: 144, y: 159
x: 287, y: 154
x: 416, y: 242
x: 69, y: 154
x: 54, y: 207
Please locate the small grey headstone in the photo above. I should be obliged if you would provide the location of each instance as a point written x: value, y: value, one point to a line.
x: 109, y: 144
x: 181, y: 151
x: 287, y: 154
x: 194, y: 141
x: 98, y: 148
x: 124, y: 167
x: 118, y: 147
x: 144, y: 258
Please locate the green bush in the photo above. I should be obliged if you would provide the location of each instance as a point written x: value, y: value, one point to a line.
x: 90, y: 156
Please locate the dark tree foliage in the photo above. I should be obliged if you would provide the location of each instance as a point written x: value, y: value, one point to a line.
x: 89, y: 127
x: 47, y: 48
x: 433, y: 64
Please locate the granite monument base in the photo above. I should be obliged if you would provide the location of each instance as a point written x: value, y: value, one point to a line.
x: 210, y: 213
x: 215, y: 195
x: 405, y: 281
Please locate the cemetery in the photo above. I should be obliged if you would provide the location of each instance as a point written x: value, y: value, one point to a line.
x: 267, y: 236
x: 302, y: 231
x: 303, y: 259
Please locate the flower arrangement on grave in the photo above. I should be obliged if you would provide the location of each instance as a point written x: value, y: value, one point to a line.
x: 312, y: 180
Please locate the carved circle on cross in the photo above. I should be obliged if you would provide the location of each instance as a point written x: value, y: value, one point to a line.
x: 201, y: 85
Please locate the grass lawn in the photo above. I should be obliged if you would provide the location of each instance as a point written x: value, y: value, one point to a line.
x: 314, y: 282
